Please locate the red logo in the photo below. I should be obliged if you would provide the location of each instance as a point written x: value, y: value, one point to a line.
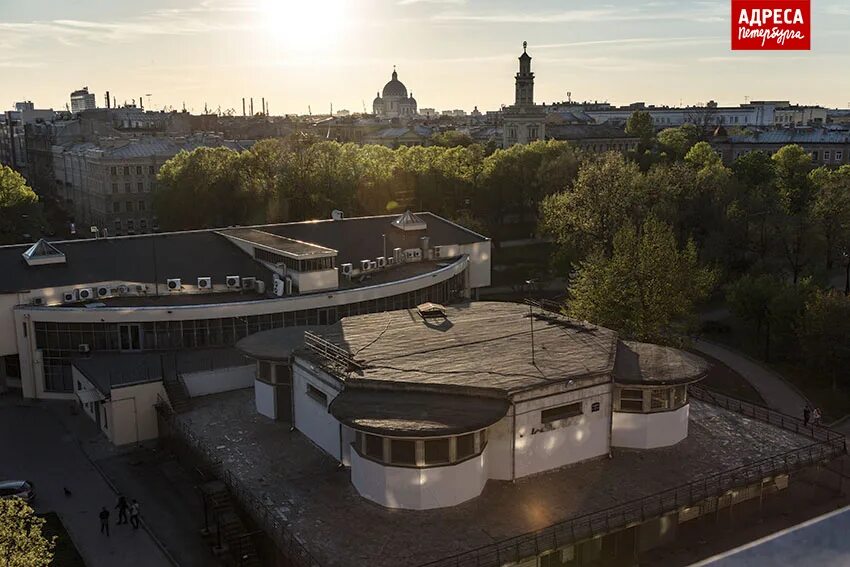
x: 771, y: 24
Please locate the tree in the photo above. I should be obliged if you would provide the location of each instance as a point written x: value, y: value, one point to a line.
x: 19, y: 207
x: 607, y: 194
x: 22, y: 543
x: 676, y: 142
x: 824, y: 334
x: 794, y: 190
x: 452, y: 138
x: 831, y: 208
x: 640, y: 125
x: 647, y: 290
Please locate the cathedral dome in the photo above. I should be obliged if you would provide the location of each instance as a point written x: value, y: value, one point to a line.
x: 395, y: 87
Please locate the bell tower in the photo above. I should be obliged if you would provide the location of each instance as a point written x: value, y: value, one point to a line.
x: 524, y: 79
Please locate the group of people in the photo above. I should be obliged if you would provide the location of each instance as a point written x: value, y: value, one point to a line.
x: 811, y: 416
x: 124, y: 509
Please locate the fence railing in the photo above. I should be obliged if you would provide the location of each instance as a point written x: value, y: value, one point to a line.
x: 329, y: 354
x: 266, y: 518
x: 816, y: 431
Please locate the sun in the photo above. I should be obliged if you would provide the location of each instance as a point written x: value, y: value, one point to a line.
x: 303, y: 25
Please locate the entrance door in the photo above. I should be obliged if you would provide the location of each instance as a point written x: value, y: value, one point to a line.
x: 130, y: 337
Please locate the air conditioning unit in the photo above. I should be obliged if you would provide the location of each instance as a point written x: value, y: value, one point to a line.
x: 205, y: 283
x: 437, y: 251
x: 232, y: 282
x: 38, y: 300
x: 69, y: 296
x: 249, y: 283
x: 123, y: 289
x: 390, y: 261
x: 398, y: 255
x: 364, y: 265
x: 103, y: 291
x: 141, y: 288
x: 279, y: 288
x: 412, y: 254
x: 261, y: 286
x: 83, y: 347
x: 382, y: 262
x: 173, y: 284
x: 288, y: 286
x: 85, y: 293
x: 346, y: 268
x: 373, y: 265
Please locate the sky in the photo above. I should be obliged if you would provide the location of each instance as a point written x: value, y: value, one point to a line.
x: 309, y: 54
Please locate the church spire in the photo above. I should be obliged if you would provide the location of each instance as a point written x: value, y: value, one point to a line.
x: 524, y: 79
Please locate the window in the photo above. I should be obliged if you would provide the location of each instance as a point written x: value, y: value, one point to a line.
x: 660, y: 399
x: 436, y: 451
x: 113, y: 170
x: 560, y: 412
x: 264, y: 371
x: 465, y: 446
x: 117, y: 225
x: 827, y: 155
x: 839, y: 155
x: 282, y: 374
x: 130, y: 337
x: 151, y: 170
x: 402, y: 452
x: 680, y: 396
x: 317, y: 394
x: 12, y: 365
x: 143, y: 223
x: 138, y: 170
x: 114, y: 187
x: 631, y: 400
x: 116, y: 206
x: 129, y: 205
x: 594, y: 407
x: 374, y: 447
x: 126, y: 187
x: 140, y: 187
x: 141, y: 205
x: 126, y: 170
x: 79, y: 385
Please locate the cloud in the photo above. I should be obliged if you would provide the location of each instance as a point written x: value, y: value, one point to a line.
x: 706, y: 12
x: 411, y: 2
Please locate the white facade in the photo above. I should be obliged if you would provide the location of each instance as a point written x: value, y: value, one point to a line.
x: 649, y: 430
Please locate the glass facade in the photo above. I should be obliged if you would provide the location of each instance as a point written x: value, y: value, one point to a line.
x: 60, y: 342
x: 421, y: 453
x: 648, y: 400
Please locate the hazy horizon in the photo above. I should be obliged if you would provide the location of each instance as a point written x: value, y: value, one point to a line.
x: 449, y: 53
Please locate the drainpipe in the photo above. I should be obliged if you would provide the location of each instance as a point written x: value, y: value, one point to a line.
x: 513, y: 442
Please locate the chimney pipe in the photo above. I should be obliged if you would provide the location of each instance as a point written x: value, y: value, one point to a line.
x: 107, y: 100
x: 263, y: 102
x: 252, y: 106
x: 141, y: 103
x: 243, y: 106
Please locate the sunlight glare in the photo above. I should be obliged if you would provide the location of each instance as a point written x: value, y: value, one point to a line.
x: 303, y: 25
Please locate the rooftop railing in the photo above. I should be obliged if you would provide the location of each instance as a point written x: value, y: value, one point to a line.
x: 330, y: 355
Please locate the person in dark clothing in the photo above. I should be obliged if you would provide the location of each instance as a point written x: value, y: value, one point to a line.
x: 122, y: 510
x: 134, y: 514
x: 104, y: 521
x: 807, y: 414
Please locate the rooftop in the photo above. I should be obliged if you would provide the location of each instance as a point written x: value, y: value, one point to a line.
x: 287, y: 246
x: 644, y: 363
x: 340, y: 528
x: 493, y: 338
x: 192, y: 254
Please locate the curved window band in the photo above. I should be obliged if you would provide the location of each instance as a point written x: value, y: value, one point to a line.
x: 420, y: 453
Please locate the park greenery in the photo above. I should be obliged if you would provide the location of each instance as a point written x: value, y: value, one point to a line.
x: 22, y: 543
x: 645, y: 238
x: 20, y: 211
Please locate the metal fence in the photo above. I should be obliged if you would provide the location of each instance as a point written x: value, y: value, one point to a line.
x: 331, y: 356
x: 266, y: 518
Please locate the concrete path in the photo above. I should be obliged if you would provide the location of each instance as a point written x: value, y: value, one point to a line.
x: 777, y: 393
x: 37, y: 447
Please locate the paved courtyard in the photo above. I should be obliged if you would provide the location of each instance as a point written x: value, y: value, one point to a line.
x: 37, y: 447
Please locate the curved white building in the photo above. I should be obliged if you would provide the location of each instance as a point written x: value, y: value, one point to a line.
x: 427, y: 405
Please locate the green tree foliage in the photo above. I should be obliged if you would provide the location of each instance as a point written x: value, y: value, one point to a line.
x: 831, y: 209
x: 793, y: 223
x: 607, y: 194
x: 647, y: 290
x: 452, y: 138
x: 22, y: 543
x: 675, y: 142
x: 640, y: 125
x: 824, y: 334
x: 19, y: 207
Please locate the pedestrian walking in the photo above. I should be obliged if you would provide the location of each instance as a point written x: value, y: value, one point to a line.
x: 134, y: 514
x: 104, y: 521
x: 122, y: 510
x: 807, y: 414
x: 816, y: 416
